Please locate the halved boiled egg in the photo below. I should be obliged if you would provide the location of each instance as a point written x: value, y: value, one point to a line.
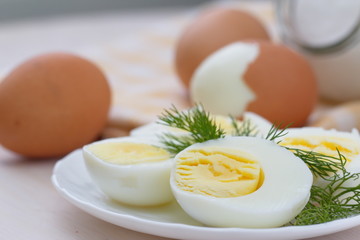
x: 240, y: 182
x: 131, y: 170
x: 327, y: 142
x: 260, y: 126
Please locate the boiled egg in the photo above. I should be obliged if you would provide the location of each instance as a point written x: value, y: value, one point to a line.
x: 240, y: 182
x: 262, y: 77
x: 130, y: 170
x: 260, y: 126
x: 327, y: 142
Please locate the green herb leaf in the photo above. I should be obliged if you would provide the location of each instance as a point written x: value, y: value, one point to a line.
x: 321, y: 165
x: 277, y: 131
x: 246, y: 128
x: 197, y: 122
x: 334, y: 201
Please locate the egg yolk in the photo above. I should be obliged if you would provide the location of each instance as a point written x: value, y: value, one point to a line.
x: 325, y: 145
x: 218, y: 172
x: 128, y: 153
x: 224, y: 123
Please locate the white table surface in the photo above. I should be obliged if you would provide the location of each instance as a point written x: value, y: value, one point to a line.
x: 30, y: 207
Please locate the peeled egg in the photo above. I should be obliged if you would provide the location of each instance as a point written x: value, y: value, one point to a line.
x: 261, y: 77
x: 327, y: 142
x: 52, y: 104
x: 210, y: 31
x: 259, y: 125
x: 130, y: 170
x: 240, y: 182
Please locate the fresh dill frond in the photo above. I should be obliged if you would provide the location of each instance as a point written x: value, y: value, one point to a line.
x: 245, y: 128
x: 321, y: 165
x: 175, y: 144
x: 326, y: 211
x: 336, y: 200
x: 277, y: 131
x: 197, y: 122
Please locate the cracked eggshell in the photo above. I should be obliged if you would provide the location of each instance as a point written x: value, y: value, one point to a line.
x: 258, y: 76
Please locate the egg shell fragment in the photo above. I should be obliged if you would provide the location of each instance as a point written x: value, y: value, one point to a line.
x: 141, y: 184
x: 283, y: 194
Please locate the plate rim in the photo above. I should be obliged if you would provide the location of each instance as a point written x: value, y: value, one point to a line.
x: 196, y: 232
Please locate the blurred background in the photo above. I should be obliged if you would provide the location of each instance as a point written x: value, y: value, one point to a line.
x: 24, y: 9
x: 134, y: 41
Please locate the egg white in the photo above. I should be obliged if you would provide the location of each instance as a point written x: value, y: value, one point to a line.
x: 218, y: 83
x: 353, y: 164
x: 283, y: 194
x: 141, y: 184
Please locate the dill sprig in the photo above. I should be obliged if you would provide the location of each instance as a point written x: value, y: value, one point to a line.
x: 197, y: 122
x: 321, y: 165
x: 277, y: 131
x: 175, y: 144
x: 246, y: 128
x: 334, y: 201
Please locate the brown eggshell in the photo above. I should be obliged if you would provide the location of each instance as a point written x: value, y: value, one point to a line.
x: 261, y: 77
x: 209, y: 32
x: 52, y: 104
x: 284, y: 83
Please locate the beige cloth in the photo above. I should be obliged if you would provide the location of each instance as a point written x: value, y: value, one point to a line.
x: 139, y: 65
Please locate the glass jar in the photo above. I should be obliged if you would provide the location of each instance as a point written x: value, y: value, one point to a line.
x: 327, y: 33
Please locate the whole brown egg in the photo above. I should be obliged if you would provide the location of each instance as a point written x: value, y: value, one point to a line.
x: 52, y: 104
x: 210, y: 31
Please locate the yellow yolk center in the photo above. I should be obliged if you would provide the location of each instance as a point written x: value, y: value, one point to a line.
x: 224, y: 123
x: 128, y: 153
x: 325, y: 145
x: 218, y: 172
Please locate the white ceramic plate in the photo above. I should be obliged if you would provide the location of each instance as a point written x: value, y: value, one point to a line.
x: 72, y: 181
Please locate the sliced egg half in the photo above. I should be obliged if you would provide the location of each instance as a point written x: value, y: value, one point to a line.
x: 327, y: 142
x: 260, y: 126
x: 130, y: 170
x: 240, y: 182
